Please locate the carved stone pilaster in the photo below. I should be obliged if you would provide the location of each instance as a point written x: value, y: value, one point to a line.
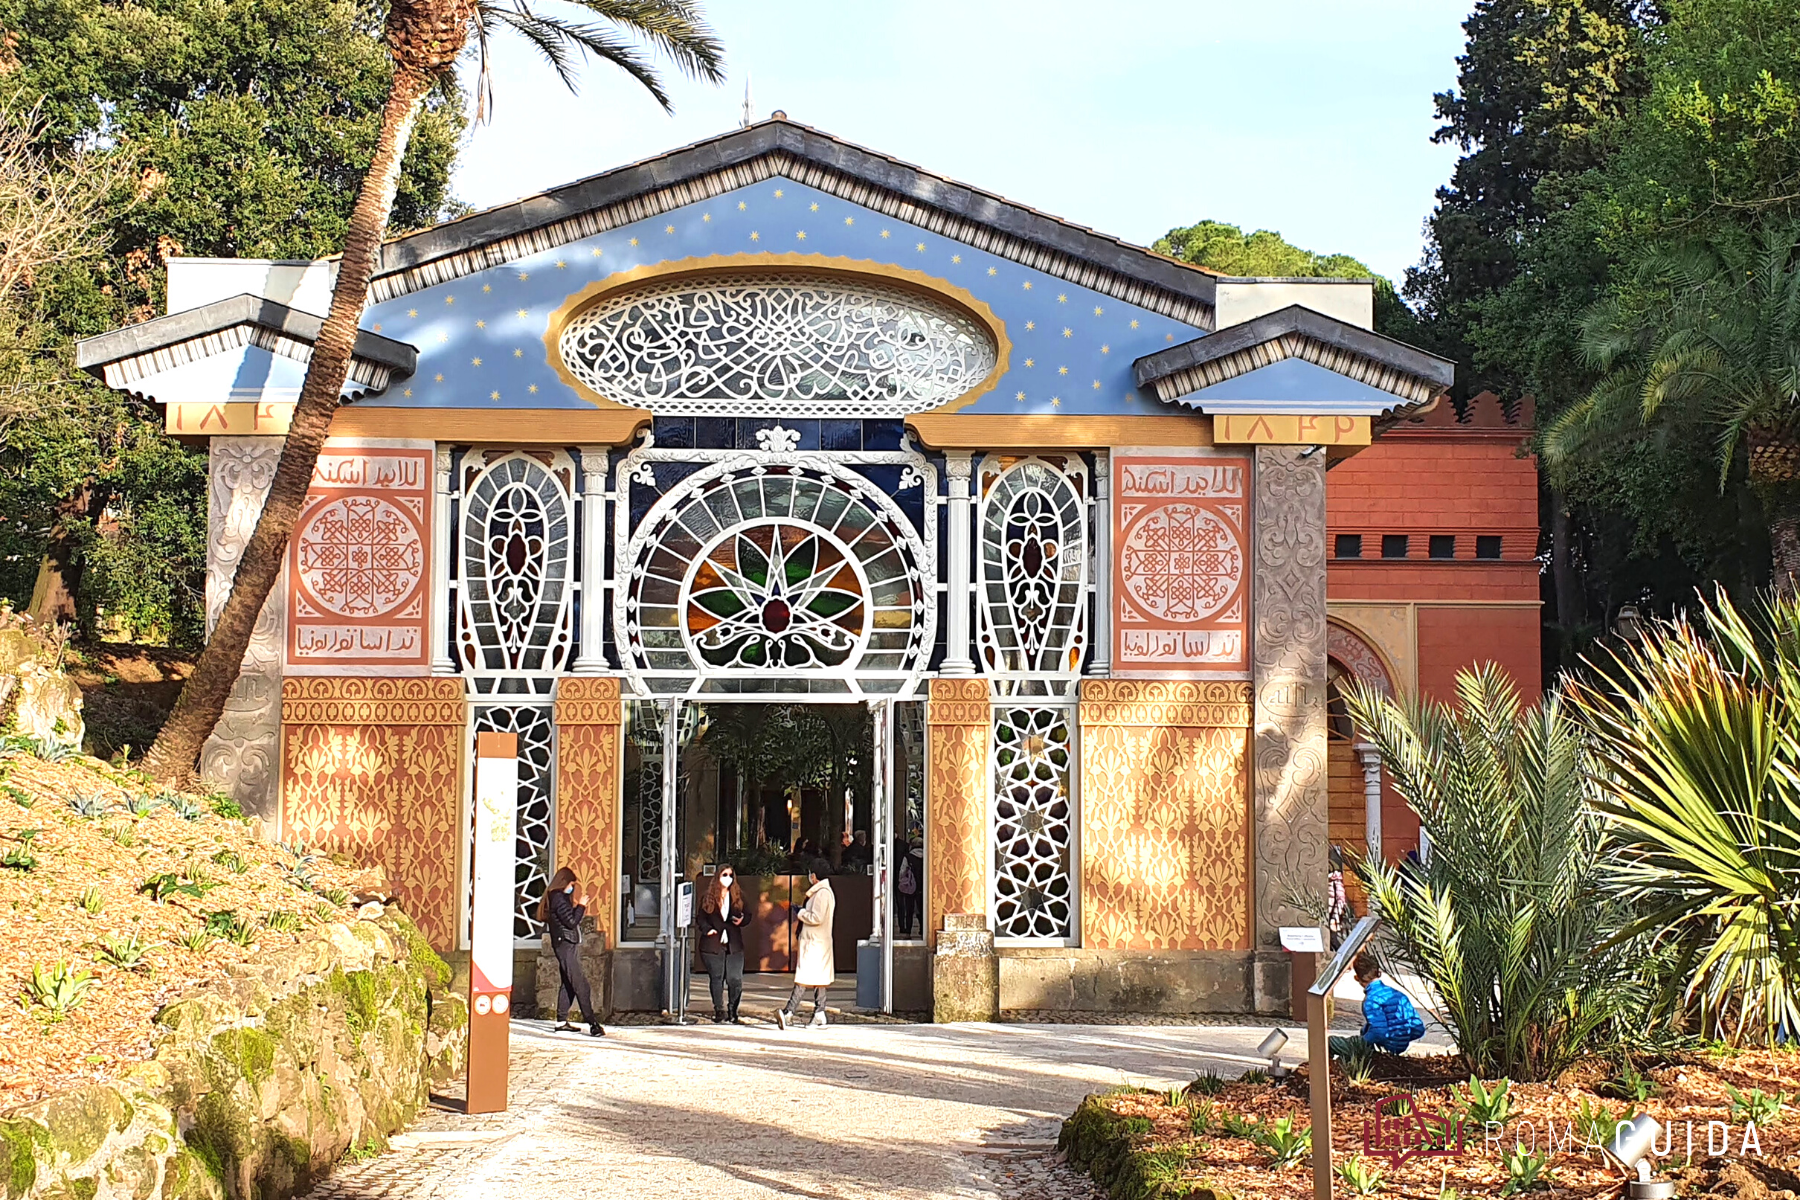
x: 243, y: 755
x: 1289, y: 662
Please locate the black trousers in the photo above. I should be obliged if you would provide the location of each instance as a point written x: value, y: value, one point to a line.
x: 906, y: 912
x: 574, y: 985
x: 725, y: 971
x: 796, y: 1000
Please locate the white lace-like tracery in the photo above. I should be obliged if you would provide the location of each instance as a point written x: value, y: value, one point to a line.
x: 1033, y: 822
x: 517, y: 550
x: 777, y: 344
x: 1034, y: 568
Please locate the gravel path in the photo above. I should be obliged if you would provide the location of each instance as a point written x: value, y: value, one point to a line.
x: 912, y: 1112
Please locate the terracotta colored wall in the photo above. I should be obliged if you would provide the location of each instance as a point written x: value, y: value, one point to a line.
x: 1453, y: 638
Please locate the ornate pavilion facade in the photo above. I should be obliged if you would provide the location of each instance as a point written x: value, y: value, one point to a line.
x: 775, y: 420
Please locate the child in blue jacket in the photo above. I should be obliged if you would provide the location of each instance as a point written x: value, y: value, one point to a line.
x: 1390, y: 1022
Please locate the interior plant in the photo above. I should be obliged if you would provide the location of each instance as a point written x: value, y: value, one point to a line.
x: 1696, y: 732
x: 1507, y: 921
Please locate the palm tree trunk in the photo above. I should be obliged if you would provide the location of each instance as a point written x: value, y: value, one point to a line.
x: 1784, y: 547
x: 202, y: 701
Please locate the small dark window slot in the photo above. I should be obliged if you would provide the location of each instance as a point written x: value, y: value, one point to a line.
x: 1348, y: 545
x: 1393, y: 545
x: 1443, y: 545
x: 1487, y: 545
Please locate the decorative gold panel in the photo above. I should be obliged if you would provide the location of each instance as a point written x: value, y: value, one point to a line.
x: 588, y: 715
x: 371, y: 768
x: 956, y: 796
x: 1165, y: 838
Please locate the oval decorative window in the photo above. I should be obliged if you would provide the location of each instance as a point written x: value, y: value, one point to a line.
x: 778, y: 344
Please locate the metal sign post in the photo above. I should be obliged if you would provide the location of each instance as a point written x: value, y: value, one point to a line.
x: 1318, y: 1051
x: 684, y: 971
x: 491, y: 919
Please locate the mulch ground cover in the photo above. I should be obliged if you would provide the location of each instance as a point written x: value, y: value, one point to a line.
x: 71, y: 883
x: 1185, y: 1143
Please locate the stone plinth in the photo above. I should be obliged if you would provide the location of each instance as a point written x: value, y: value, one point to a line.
x: 965, y: 974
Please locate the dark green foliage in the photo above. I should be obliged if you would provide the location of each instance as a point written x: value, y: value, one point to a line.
x: 1107, y: 1146
x: 160, y: 887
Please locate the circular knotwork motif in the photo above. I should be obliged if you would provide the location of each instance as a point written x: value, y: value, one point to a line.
x: 776, y: 594
x: 1181, y: 563
x: 360, y: 556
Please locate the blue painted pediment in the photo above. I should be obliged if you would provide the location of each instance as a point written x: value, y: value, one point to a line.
x: 1292, y: 385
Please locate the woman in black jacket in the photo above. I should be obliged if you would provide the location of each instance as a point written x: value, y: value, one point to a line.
x: 722, y: 921
x: 563, y: 913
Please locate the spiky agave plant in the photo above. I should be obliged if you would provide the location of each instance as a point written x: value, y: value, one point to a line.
x: 1507, y: 922
x: 1697, y: 730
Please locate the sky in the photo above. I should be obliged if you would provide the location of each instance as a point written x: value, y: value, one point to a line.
x: 1309, y: 117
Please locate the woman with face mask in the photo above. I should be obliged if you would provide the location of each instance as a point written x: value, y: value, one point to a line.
x: 562, y: 914
x: 722, y: 921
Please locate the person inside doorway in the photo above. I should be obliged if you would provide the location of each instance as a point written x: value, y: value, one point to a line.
x: 858, y: 854
x: 815, y: 968
x: 909, y: 886
x: 561, y: 914
x: 722, y: 921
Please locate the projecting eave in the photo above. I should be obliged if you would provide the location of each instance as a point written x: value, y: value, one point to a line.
x: 1297, y: 361
x: 244, y: 347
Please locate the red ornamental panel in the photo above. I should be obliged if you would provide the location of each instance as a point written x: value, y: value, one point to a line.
x: 359, y: 564
x: 1181, y: 554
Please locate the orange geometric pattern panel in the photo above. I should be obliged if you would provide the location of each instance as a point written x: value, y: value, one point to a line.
x: 1165, y: 815
x: 959, y: 728
x: 372, y: 769
x: 588, y: 715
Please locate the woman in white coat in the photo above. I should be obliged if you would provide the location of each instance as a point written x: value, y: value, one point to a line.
x: 814, y: 967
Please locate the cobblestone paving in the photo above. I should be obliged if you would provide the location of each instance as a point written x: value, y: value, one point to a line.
x: 915, y: 1112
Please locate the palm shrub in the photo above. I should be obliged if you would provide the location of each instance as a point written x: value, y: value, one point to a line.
x: 1508, y: 922
x: 1697, y: 730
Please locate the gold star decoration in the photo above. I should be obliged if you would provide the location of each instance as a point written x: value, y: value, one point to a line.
x: 1067, y: 332
x: 518, y: 353
x: 475, y: 362
x: 815, y: 206
x: 560, y: 264
x: 493, y: 395
x: 1134, y: 322
x: 1056, y: 401
x: 1062, y: 370
x: 668, y: 229
x: 1028, y: 285
x: 755, y: 236
x: 522, y: 313
x: 920, y: 247
x: 1168, y: 337
x: 778, y: 193
x: 412, y: 312
x: 377, y: 327
x: 440, y: 377
x: 443, y: 337
x: 481, y: 324
x: 993, y: 270
x: 705, y: 218
x: 532, y: 389
x: 407, y: 393
x: 849, y: 220
x: 1030, y: 325
x: 449, y: 299
x: 1096, y: 385
x: 1020, y: 396
x: 740, y: 206
x: 1031, y: 362
x: 596, y: 252
x: 884, y: 233
x: 1096, y: 310
x: 524, y: 275
x: 486, y: 288
x: 634, y: 241
x: 956, y: 258
x: 800, y: 234
x: 1062, y: 297
x: 1106, y: 349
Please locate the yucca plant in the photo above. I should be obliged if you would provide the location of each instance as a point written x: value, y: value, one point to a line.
x: 1507, y: 922
x: 1696, y: 729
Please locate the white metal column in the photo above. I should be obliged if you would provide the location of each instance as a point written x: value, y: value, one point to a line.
x: 958, y: 593
x: 592, y: 658
x: 881, y: 720
x: 1371, y: 769
x: 1100, y: 663
x: 671, y: 740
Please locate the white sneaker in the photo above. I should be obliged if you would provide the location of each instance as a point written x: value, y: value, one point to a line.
x: 818, y: 1021
x: 781, y: 1017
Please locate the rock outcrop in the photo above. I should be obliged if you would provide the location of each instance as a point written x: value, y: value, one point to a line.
x: 259, y: 1084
